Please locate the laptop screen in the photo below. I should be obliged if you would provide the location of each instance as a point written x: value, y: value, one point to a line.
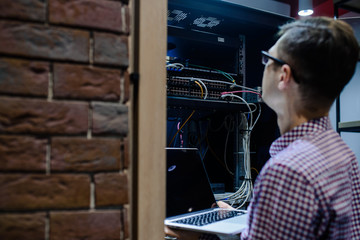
x: 187, y: 186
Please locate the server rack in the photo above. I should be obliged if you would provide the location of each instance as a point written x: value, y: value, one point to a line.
x: 213, y: 49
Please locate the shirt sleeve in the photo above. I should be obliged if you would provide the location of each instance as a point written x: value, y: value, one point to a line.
x: 283, y: 206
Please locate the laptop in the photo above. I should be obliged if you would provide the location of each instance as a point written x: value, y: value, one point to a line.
x: 190, y: 202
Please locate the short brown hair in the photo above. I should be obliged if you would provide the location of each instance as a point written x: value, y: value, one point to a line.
x: 322, y: 53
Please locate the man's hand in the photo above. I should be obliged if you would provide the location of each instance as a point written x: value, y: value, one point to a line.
x: 189, y: 235
x: 224, y: 205
x: 181, y: 234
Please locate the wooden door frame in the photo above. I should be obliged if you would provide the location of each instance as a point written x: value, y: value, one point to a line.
x: 148, y: 118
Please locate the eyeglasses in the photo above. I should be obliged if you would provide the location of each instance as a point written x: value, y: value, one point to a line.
x: 266, y: 56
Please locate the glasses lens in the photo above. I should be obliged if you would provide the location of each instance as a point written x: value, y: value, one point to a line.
x: 264, y: 59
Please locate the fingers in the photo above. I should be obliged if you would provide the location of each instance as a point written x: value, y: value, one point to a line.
x: 181, y: 234
x: 222, y: 204
x: 170, y: 232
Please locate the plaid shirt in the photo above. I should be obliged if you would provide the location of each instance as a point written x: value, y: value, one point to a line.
x: 308, y: 189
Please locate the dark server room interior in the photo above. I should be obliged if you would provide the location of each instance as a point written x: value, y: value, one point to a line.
x: 214, y: 75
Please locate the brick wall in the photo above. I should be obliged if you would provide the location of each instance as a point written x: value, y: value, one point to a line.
x: 64, y: 97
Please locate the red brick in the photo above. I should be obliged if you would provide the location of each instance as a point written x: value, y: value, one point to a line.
x: 111, y: 189
x: 85, y: 155
x: 35, y: 191
x: 22, y: 153
x: 126, y: 221
x: 23, y: 9
x: 42, y: 41
x: 126, y: 153
x: 126, y: 77
x: 86, y: 82
x: 18, y: 115
x: 111, y: 49
x: 98, y: 14
x: 24, y: 77
x: 109, y: 119
x: 22, y: 226
x: 85, y: 225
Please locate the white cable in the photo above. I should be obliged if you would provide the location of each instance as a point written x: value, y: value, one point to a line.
x: 178, y: 66
x: 255, y: 108
x: 250, y: 111
x: 243, y: 100
x: 246, y: 88
x: 243, y: 194
x: 257, y: 118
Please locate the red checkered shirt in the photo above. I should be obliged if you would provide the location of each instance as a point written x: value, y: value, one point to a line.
x: 308, y: 189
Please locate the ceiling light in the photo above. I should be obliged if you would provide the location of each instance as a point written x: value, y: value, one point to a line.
x: 305, y: 8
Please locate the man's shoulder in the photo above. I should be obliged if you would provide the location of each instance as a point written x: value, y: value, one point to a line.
x: 315, y: 147
x: 314, y: 158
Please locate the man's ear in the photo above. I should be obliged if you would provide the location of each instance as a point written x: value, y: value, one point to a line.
x: 285, y: 77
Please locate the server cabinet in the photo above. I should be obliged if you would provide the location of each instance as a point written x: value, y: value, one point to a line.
x: 214, y: 75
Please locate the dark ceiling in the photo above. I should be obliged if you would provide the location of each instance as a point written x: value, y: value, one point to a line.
x: 295, y: 3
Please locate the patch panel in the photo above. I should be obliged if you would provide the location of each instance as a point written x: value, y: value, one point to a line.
x: 200, y: 83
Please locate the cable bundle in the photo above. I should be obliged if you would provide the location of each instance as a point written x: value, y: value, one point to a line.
x: 243, y: 194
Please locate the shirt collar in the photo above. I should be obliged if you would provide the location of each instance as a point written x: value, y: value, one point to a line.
x: 314, y: 125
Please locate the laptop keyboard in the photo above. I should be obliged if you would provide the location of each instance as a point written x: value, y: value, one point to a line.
x: 209, y: 217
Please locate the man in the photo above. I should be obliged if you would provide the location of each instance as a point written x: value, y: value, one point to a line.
x: 310, y: 187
